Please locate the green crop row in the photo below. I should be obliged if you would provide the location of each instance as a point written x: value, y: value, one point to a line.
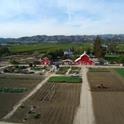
x: 65, y: 79
x: 12, y: 90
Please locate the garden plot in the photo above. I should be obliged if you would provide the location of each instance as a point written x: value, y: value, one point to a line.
x: 62, y: 70
x: 75, y: 71
x: 13, y: 88
x: 40, y: 69
x: 54, y: 103
x: 105, y: 81
x: 17, y: 69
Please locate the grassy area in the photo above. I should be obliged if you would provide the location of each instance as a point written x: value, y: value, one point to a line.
x: 99, y: 70
x: 120, y: 71
x: 65, y: 79
x: 62, y: 70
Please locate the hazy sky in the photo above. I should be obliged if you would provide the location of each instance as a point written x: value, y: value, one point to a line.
x: 51, y: 17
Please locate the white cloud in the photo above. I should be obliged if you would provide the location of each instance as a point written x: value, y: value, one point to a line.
x: 32, y: 17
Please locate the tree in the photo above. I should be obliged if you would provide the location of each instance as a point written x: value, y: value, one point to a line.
x: 112, y: 48
x: 4, y: 50
x: 98, y: 51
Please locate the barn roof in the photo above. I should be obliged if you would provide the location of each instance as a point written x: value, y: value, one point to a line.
x: 84, y: 54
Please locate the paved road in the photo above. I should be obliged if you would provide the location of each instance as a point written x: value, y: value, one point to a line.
x: 26, y: 97
x: 85, y: 113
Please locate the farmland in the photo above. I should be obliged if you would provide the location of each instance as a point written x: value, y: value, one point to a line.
x: 107, y: 99
x: 13, y: 88
x: 120, y: 71
x: 108, y: 79
x: 65, y: 79
x: 43, y: 47
x: 55, y: 103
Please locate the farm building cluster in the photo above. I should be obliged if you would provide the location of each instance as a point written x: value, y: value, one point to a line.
x: 83, y: 59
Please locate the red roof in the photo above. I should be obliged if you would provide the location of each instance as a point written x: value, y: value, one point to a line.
x: 84, y: 59
x: 45, y: 61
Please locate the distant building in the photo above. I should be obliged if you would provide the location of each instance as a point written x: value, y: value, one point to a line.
x: 68, y: 53
x: 84, y: 59
x: 67, y: 62
x: 45, y: 61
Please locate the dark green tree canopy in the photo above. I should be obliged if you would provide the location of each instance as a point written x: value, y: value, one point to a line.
x: 98, y: 50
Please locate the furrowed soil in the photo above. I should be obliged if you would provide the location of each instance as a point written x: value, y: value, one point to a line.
x: 108, y: 102
x: 55, y: 103
x: 8, y: 100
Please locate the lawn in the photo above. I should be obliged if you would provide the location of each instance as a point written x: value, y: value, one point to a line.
x: 65, y: 79
x: 120, y: 71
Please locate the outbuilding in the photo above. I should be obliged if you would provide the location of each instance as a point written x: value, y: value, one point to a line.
x: 45, y: 61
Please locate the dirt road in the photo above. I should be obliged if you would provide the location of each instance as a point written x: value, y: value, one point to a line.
x: 85, y: 113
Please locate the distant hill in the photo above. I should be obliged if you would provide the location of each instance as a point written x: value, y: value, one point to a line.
x: 63, y: 38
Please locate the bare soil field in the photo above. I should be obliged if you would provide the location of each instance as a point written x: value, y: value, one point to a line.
x: 8, y: 100
x: 52, y: 104
x: 108, y: 103
x: 109, y: 80
x: 108, y: 107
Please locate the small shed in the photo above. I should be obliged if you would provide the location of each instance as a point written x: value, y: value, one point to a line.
x: 84, y: 59
x: 45, y: 61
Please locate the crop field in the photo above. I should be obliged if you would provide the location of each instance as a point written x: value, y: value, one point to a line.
x: 120, y: 71
x: 108, y: 102
x: 13, y: 88
x: 54, y: 103
x: 108, y: 79
x: 43, y: 47
x: 65, y: 79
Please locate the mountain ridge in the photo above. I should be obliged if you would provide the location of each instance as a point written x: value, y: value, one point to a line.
x: 63, y: 38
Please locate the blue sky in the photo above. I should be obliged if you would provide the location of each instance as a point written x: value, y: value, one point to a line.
x: 67, y: 17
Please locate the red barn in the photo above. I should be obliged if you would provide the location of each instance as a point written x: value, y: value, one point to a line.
x: 45, y: 61
x: 84, y: 59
